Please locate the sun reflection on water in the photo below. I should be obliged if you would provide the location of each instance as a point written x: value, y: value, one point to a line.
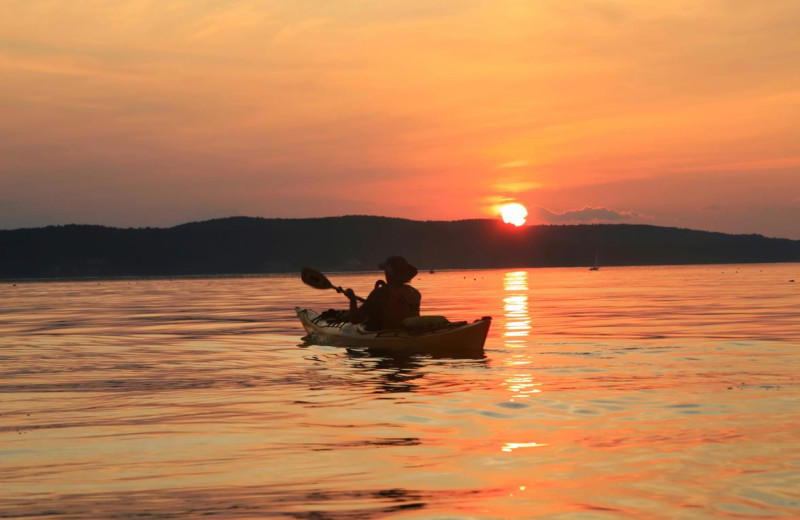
x: 515, y: 305
x: 519, y: 380
x: 517, y: 329
x: 511, y: 446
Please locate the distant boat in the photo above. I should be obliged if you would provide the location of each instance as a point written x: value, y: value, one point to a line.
x: 596, y: 266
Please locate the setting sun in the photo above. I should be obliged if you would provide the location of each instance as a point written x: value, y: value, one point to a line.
x: 513, y: 213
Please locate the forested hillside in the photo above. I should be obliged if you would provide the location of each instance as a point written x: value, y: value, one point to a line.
x: 241, y: 245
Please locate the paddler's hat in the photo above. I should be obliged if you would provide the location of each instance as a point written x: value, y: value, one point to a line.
x: 397, y: 267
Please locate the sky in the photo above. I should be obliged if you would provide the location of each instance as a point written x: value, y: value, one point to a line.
x: 138, y: 113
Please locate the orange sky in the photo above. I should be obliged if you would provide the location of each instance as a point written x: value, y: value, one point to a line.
x: 158, y: 112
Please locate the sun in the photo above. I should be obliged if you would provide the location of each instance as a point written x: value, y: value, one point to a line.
x: 513, y: 213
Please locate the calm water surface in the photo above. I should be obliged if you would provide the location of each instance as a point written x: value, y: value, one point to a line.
x: 645, y: 392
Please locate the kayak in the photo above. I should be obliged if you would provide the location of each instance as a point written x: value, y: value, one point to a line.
x: 425, y: 334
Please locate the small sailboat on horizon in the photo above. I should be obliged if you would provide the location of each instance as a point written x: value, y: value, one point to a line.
x: 596, y: 266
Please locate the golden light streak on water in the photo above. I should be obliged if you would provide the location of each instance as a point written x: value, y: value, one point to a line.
x: 515, y: 305
x: 511, y: 446
x: 517, y: 327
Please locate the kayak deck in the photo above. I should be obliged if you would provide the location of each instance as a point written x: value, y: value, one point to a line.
x: 432, y: 336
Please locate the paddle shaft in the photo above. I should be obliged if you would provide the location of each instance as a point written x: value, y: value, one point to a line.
x: 338, y: 289
x: 317, y: 280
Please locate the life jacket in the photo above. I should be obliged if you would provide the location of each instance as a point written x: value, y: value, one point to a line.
x: 402, y: 302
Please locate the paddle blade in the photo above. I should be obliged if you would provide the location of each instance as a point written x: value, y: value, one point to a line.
x: 315, y: 279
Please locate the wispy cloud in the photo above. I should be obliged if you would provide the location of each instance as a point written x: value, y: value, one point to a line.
x: 586, y: 214
x: 519, y: 163
x: 761, y: 164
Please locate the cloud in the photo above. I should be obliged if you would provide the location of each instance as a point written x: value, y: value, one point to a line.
x: 520, y: 163
x: 586, y: 214
x: 512, y: 186
x: 770, y: 163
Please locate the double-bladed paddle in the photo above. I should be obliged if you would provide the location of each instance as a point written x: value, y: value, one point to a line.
x: 317, y: 280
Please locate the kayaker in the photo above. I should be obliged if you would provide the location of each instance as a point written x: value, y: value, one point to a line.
x: 391, y: 301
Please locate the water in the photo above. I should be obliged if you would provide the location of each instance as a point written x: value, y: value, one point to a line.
x: 642, y: 392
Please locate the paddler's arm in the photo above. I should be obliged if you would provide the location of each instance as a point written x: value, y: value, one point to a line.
x: 356, y: 314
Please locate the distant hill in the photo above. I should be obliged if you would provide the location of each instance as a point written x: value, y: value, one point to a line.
x: 240, y: 245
